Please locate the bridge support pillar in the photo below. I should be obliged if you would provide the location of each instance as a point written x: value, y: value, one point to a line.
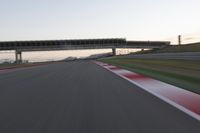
x: 18, y: 56
x: 114, y: 51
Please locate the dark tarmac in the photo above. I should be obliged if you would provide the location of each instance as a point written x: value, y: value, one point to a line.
x: 82, y: 97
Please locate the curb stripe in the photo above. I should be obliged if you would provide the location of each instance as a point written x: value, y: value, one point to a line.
x: 184, y: 100
x: 134, y: 76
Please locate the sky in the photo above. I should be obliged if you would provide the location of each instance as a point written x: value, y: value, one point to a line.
x: 159, y: 20
x: 82, y: 19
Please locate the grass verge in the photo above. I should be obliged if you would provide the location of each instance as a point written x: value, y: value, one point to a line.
x: 12, y: 66
x: 181, y: 73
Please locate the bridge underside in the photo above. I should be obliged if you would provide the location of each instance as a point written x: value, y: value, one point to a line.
x: 22, y: 46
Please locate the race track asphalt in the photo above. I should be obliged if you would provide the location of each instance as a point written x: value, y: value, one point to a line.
x: 82, y: 97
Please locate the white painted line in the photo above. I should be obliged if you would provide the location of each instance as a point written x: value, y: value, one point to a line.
x: 122, y: 71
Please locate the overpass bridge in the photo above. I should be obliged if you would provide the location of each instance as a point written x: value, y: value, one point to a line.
x: 49, y: 45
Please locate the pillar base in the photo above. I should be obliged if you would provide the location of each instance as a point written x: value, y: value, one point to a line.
x: 114, y: 51
x: 18, y: 56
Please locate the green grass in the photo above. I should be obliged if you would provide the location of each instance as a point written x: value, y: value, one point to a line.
x: 14, y: 65
x: 4, y: 66
x: 181, y: 73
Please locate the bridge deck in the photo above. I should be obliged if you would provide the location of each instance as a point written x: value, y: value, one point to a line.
x: 78, y: 44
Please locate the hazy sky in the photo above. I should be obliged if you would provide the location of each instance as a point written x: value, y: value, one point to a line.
x: 71, y: 19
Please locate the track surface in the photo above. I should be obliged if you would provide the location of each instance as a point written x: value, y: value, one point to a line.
x: 82, y: 97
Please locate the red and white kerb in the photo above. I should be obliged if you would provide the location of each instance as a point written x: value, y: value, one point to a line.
x: 184, y: 100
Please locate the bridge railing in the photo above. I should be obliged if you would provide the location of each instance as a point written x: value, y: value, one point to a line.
x: 28, y: 45
x: 78, y: 44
